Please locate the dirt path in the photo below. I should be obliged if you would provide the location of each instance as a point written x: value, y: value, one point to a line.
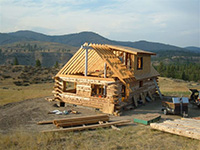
x: 24, y: 115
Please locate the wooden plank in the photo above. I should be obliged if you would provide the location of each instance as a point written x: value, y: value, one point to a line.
x: 179, y: 128
x: 147, y: 118
x: 157, y: 88
x: 80, y: 118
x: 80, y: 66
x: 81, y: 122
x: 74, y: 63
x: 103, y: 125
x: 185, y: 123
x: 45, y: 122
x: 70, y: 61
x: 88, y: 77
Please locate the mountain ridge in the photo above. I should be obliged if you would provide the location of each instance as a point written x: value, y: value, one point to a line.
x: 77, y: 39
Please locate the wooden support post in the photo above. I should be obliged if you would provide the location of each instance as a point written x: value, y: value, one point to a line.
x: 86, y: 47
x: 129, y: 58
x: 135, y: 100
x: 86, y: 61
x: 124, y: 58
x: 157, y: 88
x: 105, y: 70
x: 105, y: 74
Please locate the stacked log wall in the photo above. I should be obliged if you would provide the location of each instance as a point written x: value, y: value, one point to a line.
x: 148, y: 89
x: 83, y: 94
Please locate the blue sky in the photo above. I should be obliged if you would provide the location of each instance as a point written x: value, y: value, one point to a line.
x: 175, y: 22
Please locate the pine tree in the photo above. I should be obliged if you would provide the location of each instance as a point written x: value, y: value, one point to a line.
x: 15, y: 62
x: 56, y: 64
x: 38, y: 63
x: 183, y: 76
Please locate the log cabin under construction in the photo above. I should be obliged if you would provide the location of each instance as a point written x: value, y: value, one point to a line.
x: 107, y: 77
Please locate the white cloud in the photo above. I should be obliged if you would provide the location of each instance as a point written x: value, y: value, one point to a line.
x: 158, y: 20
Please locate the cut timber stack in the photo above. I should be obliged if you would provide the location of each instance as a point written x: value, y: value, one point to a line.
x: 83, y: 123
x: 100, y: 125
x: 69, y: 122
x: 186, y: 127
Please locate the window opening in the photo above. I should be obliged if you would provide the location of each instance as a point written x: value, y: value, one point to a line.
x: 69, y: 87
x: 98, y: 90
x: 140, y: 63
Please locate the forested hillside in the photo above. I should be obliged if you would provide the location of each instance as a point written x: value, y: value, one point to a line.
x: 28, y: 52
x: 184, y: 71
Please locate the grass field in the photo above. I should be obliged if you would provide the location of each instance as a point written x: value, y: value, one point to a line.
x: 173, y: 87
x: 11, y: 93
x: 131, y: 137
x: 137, y: 137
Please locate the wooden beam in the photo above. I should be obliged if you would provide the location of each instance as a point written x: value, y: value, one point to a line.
x: 45, y: 122
x: 86, y: 61
x: 154, y: 80
x: 88, y: 77
x: 103, y: 125
x: 185, y: 128
x: 70, y: 61
x: 80, y: 66
x: 81, y: 122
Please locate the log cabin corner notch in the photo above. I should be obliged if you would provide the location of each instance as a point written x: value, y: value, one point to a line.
x: 106, y: 77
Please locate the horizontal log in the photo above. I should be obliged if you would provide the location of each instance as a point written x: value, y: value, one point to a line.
x: 45, y: 122
x: 80, y: 118
x: 81, y: 122
x: 103, y: 125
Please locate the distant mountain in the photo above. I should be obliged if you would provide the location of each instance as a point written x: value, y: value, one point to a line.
x: 27, y: 46
x: 78, y: 39
x: 193, y: 48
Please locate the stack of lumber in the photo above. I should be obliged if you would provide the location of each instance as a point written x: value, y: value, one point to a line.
x: 147, y: 118
x: 184, y: 127
x: 80, y: 120
x: 83, y: 123
x: 93, y: 126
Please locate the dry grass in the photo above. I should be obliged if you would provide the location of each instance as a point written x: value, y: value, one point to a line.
x: 173, y: 87
x: 137, y: 137
x: 130, y: 137
x: 11, y: 93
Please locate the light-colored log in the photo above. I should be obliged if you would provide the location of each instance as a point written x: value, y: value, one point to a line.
x: 81, y: 122
x: 45, y: 122
x: 117, y: 123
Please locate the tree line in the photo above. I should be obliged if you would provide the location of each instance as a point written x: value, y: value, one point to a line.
x: 187, y: 72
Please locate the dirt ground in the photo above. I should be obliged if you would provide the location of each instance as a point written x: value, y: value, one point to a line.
x: 24, y: 115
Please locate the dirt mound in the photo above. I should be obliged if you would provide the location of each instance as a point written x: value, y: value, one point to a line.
x: 25, y: 114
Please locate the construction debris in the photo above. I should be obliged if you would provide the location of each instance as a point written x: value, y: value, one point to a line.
x: 147, y: 118
x: 183, y: 127
x: 65, y: 112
